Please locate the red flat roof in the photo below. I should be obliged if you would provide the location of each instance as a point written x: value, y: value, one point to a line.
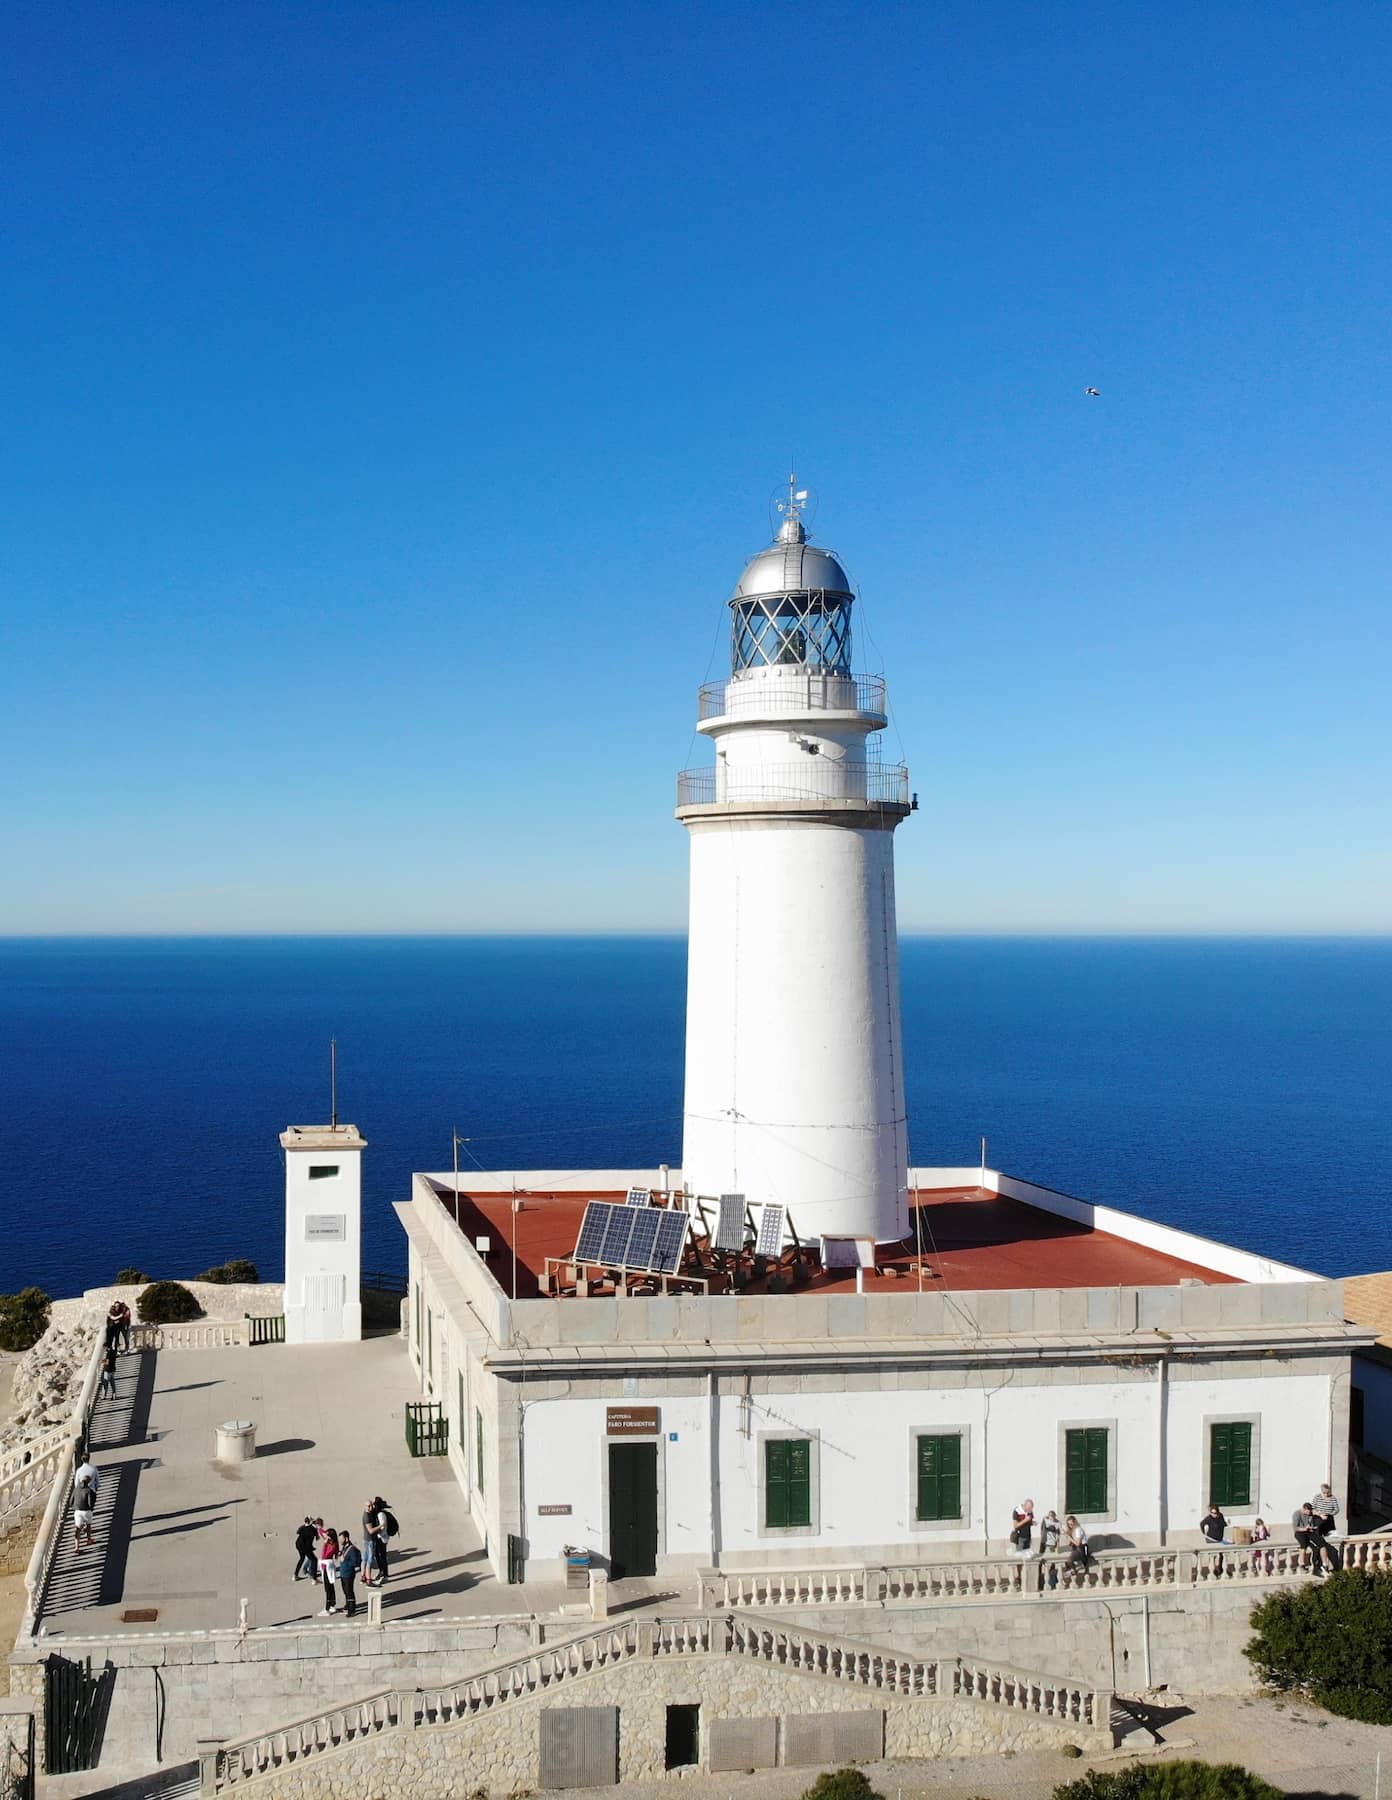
x: 971, y: 1238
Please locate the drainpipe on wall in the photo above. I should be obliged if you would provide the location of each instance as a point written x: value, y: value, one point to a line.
x: 1162, y: 1434
x: 713, y: 1426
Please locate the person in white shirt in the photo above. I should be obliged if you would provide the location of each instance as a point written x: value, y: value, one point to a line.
x: 87, y: 1474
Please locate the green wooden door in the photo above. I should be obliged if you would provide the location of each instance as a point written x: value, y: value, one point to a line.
x: 787, y: 1483
x: 1085, y: 1470
x: 1230, y: 1464
x: 940, y: 1477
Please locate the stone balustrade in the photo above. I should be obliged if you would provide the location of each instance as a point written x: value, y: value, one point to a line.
x: 1024, y: 1578
x: 801, y: 1651
x: 198, y: 1334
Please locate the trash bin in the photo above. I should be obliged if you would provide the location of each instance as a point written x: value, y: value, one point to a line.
x: 236, y: 1441
x: 577, y: 1569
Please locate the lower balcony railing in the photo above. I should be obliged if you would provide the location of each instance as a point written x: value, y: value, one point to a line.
x: 816, y: 781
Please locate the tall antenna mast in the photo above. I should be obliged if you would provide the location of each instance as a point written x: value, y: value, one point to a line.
x: 333, y: 1083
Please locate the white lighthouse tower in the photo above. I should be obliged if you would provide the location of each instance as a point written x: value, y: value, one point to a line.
x: 794, y: 1065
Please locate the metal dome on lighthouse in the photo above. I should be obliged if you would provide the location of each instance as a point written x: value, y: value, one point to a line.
x: 794, y: 1063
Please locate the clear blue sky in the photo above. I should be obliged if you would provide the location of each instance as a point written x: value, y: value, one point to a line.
x: 392, y: 395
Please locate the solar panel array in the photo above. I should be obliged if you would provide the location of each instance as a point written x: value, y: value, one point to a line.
x: 770, y: 1242
x: 632, y: 1237
x: 729, y: 1225
x: 639, y: 1197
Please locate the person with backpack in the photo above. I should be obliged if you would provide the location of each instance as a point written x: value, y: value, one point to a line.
x: 379, y: 1526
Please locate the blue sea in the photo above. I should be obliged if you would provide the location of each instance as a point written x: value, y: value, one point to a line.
x: 1239, y: 1087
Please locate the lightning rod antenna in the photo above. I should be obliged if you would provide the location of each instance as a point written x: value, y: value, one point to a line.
x: 333, y: 1083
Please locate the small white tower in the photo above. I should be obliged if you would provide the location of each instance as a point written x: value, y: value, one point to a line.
x: 323, y: 1233
x: 794, y: 1061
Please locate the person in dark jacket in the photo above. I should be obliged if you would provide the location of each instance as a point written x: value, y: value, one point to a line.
x: 306, y: 1544
x: 1215, y: 1528
x: 349, y: 1563
x: 1308, y: 1535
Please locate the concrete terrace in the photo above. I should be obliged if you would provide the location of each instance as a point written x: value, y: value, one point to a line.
x: 181, y: 1534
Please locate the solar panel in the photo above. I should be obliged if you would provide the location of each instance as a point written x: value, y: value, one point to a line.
x: 729, y: 1226
x: 839, y: 1253
x: 671, y: 1241
x: 624, y: 1237
x: 643, y: 1241
x: 639, y: 1197
x: 770, y: 1242
x: 616, y: 1235
x: 591, y: 1239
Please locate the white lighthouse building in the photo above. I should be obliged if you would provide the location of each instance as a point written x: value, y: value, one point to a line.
x: 794, y: 1066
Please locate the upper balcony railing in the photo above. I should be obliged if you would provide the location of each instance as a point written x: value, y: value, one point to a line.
x: 790, y: 690
x: 812, y: 782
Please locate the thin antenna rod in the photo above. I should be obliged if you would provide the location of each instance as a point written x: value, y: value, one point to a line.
x: 333, y: 1083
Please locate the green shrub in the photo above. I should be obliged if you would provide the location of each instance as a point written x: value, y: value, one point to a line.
x: 1331, y: 1641
x: 23, y: 1318
x: 842, y: 1784
x: 1169, y: 1781
x: 132, y: 1278
x: 167, y: 1303
x: 239, y: 1269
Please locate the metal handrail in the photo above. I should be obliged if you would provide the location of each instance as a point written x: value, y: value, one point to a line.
x: 814, y: 690
x: 810, y: 782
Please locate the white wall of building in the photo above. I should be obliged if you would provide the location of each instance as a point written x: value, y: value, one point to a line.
x: 794, y: 1059
x: 864, y: 1464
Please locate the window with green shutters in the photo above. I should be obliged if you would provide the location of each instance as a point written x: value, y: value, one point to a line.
x: 1230, y: 1463
x: 940, y: 1477
x: 1085, y: 1470
x: 787, y: 1483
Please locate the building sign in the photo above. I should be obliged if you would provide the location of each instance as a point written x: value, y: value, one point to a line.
x: 325, y: 1228
x: 554, y: 1512
x: 632, y: 1421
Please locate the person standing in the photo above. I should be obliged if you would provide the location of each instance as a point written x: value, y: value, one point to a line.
x: 1215, y: 1528
x: 1078, y: 1549
x: 1022, y: 1527
x: 374, y: 1546
x: 1326, y: 1510
x: 84, y: 1513
x: 349, y: 1562
x: 118, y: 1325
x: 1050, y: 1534
x: 385, y: 1524
x: 328, y: 1569
x: 306, y: 1541
x: 87, y: 1473
x: 107, y: 1390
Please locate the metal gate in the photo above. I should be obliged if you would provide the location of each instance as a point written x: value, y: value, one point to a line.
x: 17, y: 1776
x: 427, y: 1428
x: 76, y: 1703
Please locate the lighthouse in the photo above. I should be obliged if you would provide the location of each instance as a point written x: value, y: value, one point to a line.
x: 794, y: 1060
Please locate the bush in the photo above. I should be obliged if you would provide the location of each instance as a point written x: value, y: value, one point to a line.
x: 23, y: 1318
x: 842, y: 1784
x: 1170, y: 1781
x: 239, y: 1269
x: 1331, y: 1641
x: 167, y: 1303
x: 131, y: 1278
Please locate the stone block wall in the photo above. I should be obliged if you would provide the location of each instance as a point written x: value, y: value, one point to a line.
x: 499, y: 1751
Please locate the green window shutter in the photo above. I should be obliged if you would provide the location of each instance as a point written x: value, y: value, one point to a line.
x: 940, y: 1477
x: 478, y: 1449
x: 1085, y: 1470
x: 1230, y: 1464
x: 787, y: 1483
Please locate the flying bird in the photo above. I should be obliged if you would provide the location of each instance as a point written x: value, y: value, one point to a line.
x: 1093, y: 393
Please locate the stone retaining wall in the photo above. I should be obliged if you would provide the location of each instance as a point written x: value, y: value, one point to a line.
x: 498, y: 1751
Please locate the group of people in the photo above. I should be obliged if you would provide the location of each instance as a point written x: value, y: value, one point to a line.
x: 118, y: 1336
x: 1313, y: 1523
x: 1055, y: 1536
x: 330, y: 1555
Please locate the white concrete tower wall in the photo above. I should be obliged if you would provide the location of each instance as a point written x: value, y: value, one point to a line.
x: 794, y: 1087
x: 323, y: 1233
x: 794, y: 1060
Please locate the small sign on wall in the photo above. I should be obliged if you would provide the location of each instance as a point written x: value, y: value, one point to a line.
x: 553, y: 1512
x: 325, y: 1228
x: 632, y: 1421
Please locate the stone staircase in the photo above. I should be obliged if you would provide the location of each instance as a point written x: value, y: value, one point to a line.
x: 854, y: 1667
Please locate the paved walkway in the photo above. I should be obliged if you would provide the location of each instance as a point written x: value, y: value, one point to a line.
x: 190, y: 1537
